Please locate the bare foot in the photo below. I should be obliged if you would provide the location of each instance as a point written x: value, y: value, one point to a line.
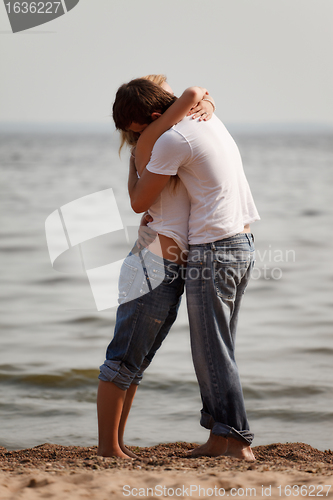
x: 114, y: 452
x: 237, y: 449
x: 128, y: 452
x: 214, y: 447
x: 228, y: 447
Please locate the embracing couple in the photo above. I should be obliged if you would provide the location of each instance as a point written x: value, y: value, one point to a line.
x: 186, y: 170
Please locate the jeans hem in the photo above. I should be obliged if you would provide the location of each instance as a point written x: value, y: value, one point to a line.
x: 225, y: 430
x: 114, y: 371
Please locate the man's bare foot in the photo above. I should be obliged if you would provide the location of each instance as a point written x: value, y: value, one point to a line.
x: 114, y: 452
x: 237, y: 449
x: 214, y: 447
x: 228, y: 447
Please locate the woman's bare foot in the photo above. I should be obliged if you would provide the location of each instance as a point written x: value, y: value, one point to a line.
x: 237, y: 449
x: 214, y: 447
x: 128, y: 452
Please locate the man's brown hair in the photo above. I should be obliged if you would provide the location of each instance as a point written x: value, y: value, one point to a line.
x: 137, y: 100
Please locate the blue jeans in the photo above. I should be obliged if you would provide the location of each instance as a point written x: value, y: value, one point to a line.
x: 216, y: 277
x: 144, y: 317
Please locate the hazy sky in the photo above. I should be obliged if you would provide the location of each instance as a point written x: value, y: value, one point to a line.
x: 262, y: 60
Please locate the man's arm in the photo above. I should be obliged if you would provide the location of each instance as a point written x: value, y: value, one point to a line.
x: 176, y: 112
x: 145, y: 190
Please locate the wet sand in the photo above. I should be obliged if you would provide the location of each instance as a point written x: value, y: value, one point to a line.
x: 164, y: 471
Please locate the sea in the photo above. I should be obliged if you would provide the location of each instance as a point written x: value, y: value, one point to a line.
x: 53, y: 337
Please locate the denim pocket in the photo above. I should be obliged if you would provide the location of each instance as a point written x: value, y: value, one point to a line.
x: 160, y: 274
x: 227, y: 277
x: 170, y: 276
x: 233, y: 256
x: 126, y: 279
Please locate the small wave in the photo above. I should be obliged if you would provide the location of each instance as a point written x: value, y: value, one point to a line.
x: 7, y: 368
x: 67, y: 379
x: 269, y: 391
x: 169, y: 385
x: 291, y: 415
x: 87, y: 320
x: 18, y: 249
x: 326, y: 351
x: 53, y: 280
x: 311, y: 213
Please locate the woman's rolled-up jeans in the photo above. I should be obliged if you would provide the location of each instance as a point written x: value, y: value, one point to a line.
x: 150, y: 290
x: 216, y: 277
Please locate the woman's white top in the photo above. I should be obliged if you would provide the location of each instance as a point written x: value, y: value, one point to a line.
x: 171, y: 213
x: 207, y: 160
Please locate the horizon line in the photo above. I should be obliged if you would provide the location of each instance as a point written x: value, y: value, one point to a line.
x: 107, y: 127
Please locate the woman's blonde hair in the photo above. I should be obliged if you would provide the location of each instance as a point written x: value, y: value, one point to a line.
x: 131, y: 138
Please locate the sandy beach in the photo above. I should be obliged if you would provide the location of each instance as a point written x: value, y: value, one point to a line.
x: 58, y: 472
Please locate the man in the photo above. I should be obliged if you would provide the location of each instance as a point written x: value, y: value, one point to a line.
x: 221, y: 256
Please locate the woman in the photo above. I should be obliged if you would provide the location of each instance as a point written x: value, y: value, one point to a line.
x: 144, y: 319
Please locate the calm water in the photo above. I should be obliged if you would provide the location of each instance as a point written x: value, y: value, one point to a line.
x: 52, y: 338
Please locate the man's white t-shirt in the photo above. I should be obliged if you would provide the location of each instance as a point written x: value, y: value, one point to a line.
x: 207, y: 160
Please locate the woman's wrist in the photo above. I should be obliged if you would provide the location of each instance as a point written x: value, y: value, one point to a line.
x: 211, y: 102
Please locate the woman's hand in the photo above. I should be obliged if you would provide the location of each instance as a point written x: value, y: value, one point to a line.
x: 203, y: 110
x: 146, y: 235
